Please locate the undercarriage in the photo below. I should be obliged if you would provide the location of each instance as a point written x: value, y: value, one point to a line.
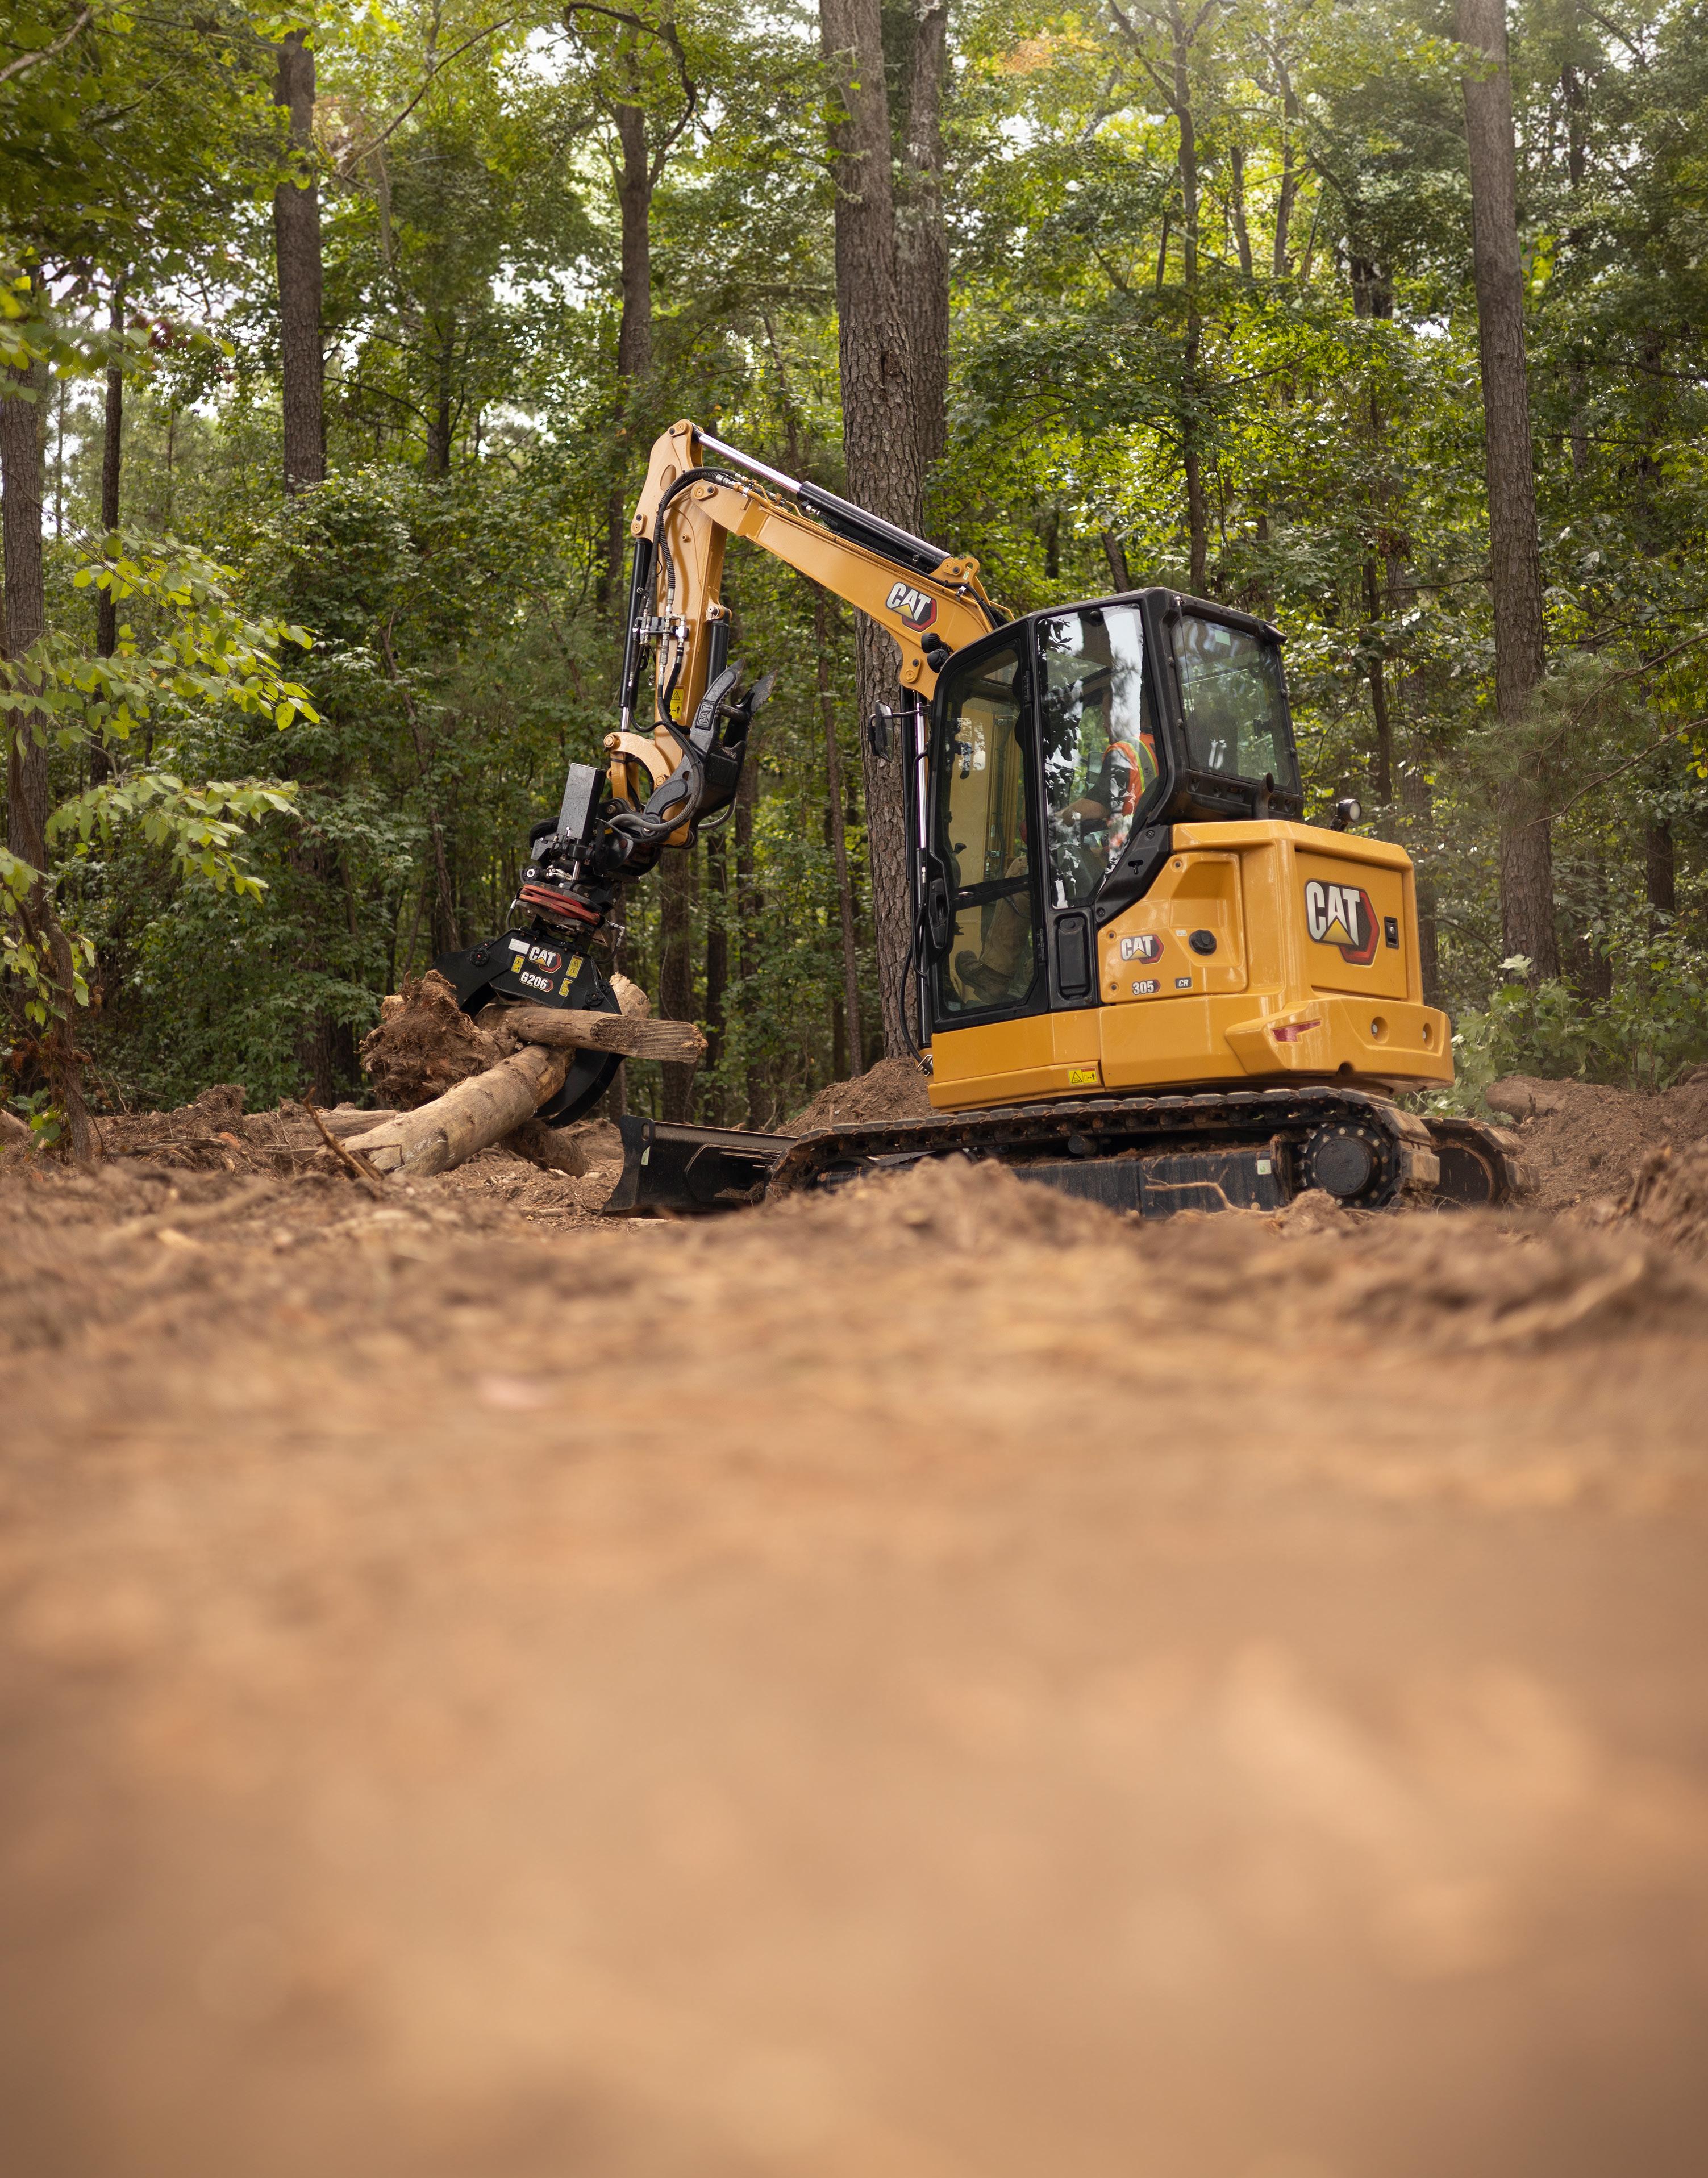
x: 1246, y: 1149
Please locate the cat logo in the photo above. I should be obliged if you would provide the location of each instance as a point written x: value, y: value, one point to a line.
x: 1148, y: 947
x: 917, y: 609
x: 1341, y: 915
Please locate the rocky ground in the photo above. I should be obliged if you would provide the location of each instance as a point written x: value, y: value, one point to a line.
x: 940, y: 1680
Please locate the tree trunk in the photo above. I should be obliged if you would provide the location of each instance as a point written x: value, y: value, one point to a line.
x: 1659, y: 873
x: 1526, y: 869
x: 296, y: 236
x: 1115, y: 554
x: 835, y: 823
x: 1590, y: 968
x: 1242, y: 237
x: 442, y: 406
x: 1287, y: 193
x: 677, y: 966
x: 717, y: 966
x: 1372, y: 297
x: 101, y: 763
x: 23, y: 623
x: 838, y: 826
x: 21, y: 460
x: 1420, y: 800
x: 634, y: 338
x: 748, y: 905
x: 922, y: 244
x: 1178, y: 90
x: 1191, y: 426
x: 634, y: 192
x: 882, y: 440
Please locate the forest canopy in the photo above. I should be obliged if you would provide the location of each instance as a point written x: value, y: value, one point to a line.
x: 331, y: 348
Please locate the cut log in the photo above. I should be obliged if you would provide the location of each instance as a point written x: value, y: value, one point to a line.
x: 631, y: 999
x: 345, y: 1120
x: 678, y: 1043
x: 426, y: 1034
x: 467, y: 1119
x: 552, y: 1148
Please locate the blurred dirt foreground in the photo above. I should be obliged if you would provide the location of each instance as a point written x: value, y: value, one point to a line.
x: 936, y: 1683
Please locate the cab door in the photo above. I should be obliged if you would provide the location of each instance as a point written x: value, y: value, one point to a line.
x: 984, y: 933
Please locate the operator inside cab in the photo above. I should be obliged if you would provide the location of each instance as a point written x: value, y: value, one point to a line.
x: 1099, y: 746
x: 1099, y: 741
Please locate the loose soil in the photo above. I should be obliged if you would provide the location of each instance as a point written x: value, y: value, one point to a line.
x: 895, y: 1089
x: 1587, y: 1142
x: 938, y: 1680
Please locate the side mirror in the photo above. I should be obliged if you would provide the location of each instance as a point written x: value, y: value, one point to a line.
x: 878, y: 731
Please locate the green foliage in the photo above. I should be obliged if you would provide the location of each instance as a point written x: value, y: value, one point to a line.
x: 1644, y: 1036
x: 458, y: 574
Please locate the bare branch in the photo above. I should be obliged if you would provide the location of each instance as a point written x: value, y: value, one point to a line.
x: 1675, y: 733
x: 26, y: 61
x: 361, y: 152
x: 1637, y: 672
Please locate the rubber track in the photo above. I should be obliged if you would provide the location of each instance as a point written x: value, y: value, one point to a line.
x: 1108, y: 1126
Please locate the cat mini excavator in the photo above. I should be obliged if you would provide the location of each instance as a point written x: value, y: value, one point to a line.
x: 1140, y: 976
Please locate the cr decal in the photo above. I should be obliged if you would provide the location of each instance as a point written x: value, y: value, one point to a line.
x: 917, y: 609
x: 1341, y: 915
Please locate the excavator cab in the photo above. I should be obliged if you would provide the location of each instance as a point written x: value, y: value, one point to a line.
x: 1062, y: 747
x: 1118, y: 889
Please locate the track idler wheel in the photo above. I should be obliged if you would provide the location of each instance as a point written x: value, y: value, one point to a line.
x: 1353, y: 1163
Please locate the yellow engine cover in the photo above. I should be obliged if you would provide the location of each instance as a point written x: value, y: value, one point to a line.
x: 1262, y: 951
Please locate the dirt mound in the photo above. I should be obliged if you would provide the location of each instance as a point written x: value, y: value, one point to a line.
x: 1479, y: 1280
x: 953, y: 1203
x: 1584, y: 1139
x: 426, y: 1046
x: 215, y: 1133
x: 895, y: 1089
x: 1463, y: 1282
x: 1669, y: 1198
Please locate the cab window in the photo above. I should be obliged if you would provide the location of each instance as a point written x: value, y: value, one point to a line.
x: 1235, y: 703
x: 982, y: 837
x: 1099, y: 742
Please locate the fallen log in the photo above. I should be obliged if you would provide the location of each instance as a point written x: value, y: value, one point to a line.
x: 677, y: 1043
x: 495, y: 1089
x: 467, y: 1119
x: 552, y: 1148
x: 345, y: 1120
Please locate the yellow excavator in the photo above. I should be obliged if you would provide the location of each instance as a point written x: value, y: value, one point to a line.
x: 1139, y: 976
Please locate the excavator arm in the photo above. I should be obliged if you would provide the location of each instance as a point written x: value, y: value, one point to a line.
x: 674, y: 762
x: 699, y: 494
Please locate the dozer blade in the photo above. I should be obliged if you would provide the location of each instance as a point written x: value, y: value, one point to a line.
x: 689, y: 1172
